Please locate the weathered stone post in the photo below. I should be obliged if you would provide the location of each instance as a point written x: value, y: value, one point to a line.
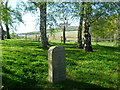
x: 56, y: 64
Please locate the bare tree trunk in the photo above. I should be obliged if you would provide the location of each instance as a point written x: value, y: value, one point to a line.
x: 7, y: 22
x: 80, y: 34
x: 87, y: 38
x: 7, y: 29
x: 2, y: 33
x: 80, y: 27
x: 64, y: 38
x: 43, y: 25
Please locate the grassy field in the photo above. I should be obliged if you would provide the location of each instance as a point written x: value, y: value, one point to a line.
x: 25, y: 65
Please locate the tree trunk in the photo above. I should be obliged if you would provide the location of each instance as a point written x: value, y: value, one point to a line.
x: 7, y: 22
x: 64, y: 38
x: 43, y: 25
x: 80, y: 34
x: 7, y: 29
x: 80, y: 27
x: 2, y: 33
x: 87, y: 38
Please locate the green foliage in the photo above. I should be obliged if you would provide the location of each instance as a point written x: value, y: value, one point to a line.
x: 60, y: 12
x: 5, y: 16
x: 34, y: 7
x: 10, y: 16
x: 25, y: 65
x: 96, y: 10
x: 104, y: 28
x: 12, y: 35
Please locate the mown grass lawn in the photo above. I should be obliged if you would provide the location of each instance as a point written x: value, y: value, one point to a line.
x: 25, y: 65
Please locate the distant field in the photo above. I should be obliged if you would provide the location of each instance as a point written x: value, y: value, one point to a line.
x: 70, y: 36
x: 25, y: 66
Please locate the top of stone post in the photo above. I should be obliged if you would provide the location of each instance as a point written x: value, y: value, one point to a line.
x: 55, y: 48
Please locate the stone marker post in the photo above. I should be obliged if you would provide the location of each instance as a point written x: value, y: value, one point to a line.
x: 56, y: 64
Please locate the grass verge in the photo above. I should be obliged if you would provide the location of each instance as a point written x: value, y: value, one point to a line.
x: 24, y: 65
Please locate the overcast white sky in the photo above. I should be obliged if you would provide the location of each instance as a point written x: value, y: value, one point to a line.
x: 29, y: 21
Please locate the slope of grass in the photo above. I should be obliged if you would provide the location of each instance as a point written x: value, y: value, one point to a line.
x: 25, y: 65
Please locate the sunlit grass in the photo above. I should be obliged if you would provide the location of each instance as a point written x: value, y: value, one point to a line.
x: 25, y: 65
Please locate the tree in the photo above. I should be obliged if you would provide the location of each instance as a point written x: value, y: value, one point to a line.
x: 42, y: 6
x: 7, y: 20
x: 1, y: 27
x: 5, y: 16
x: 97, y: 29
x: 87, y: 36
x: 80, y: 26
x: 39, y: 7
x: 94, y: 11
x: 64, y: 25
x: 117, y: 32
x: 62, y: 13
x: 9, y: 16
x: 1, y: 32
x: 43, y: 15
x: 84, y: 12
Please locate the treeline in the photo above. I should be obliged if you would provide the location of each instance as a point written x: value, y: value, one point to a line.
x: 98, y: 19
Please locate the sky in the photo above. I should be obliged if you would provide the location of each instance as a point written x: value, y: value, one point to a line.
x: 29, y: 19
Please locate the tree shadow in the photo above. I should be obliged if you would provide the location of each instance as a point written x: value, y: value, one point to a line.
x: 108, y: 48
x: 100, y: 52
x: 77, y: 85
x: 23, y: 43
x: 75, y: 54
x: 10, y: 83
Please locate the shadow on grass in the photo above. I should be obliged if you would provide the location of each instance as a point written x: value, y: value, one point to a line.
x: 100, y: 52
x: 74, y: 55
x: 108, y: 48
x: 16, y: 85
x: 28, y: 84
x: 10, y: 83
x: 22, y: 43
x: 67, y: 45
x: 77, y: 85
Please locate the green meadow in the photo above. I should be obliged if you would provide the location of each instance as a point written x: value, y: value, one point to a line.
x: 25, y: 66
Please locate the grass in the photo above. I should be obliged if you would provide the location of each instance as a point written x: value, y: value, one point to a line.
x: 24, y: 65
